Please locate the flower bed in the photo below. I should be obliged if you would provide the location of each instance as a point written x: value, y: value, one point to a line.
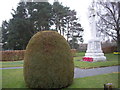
x: 116, y: 53
x: 89, y: 59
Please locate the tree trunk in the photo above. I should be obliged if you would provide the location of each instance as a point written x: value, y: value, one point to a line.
x: 72, y: 42
x: 118, y: 40
x: 63, y: 31
x: 67, y: 38
x: 118, y: 45
x: 60, y: 30
x: 118, y: 30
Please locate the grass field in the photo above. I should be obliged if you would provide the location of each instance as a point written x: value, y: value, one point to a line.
x: 111, y: 61
x: 11, y: 64
x: 96, y: 81
x: 13, y: 78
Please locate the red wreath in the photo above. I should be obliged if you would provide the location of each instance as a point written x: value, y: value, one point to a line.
x: 89, y: 59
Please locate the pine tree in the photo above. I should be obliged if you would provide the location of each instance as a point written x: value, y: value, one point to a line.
x: 40, y: 14
x: 59, y: 14
x: 16, y: 33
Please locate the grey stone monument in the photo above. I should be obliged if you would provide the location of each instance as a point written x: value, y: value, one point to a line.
x: 94, y: 45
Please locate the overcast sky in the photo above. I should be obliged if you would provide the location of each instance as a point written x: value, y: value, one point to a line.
x: 81, y: 6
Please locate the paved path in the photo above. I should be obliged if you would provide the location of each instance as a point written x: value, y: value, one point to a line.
x: 96, y: 71
x: 12, y: 68
x: 87, y: 72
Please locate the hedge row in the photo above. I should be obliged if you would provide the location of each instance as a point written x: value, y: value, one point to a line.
x: 73, y: 51
x: 109, y: 49
x: 17, y: 55
x: 14, y: 55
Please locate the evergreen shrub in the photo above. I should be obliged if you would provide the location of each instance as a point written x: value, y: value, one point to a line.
x: 48, y: 61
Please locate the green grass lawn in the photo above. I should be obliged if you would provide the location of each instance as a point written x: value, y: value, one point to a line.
x: 11, y: 64
x: 13, y: 78
x: 96, y: 81
x: 111, y: 61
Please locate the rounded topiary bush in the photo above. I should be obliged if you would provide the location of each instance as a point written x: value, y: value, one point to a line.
x: 48, y: 61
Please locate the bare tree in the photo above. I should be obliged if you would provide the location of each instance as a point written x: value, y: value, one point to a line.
x: 108, y: 19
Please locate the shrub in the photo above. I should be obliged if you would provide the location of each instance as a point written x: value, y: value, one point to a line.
x: 74, y: 51
x: 48, y: 61
x: 109, y: 49
x: 13, y: 55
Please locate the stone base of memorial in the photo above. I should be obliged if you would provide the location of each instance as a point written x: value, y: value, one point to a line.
x: 94, y: 51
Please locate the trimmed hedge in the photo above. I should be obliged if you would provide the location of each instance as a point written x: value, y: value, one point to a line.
x: 13, y: 55
x: 16, y: 55
x: 74, y: 51
x: 109, y: 49
x: 48, y: 61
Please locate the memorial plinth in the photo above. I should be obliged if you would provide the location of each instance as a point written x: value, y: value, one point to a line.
x: 94, y: 50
